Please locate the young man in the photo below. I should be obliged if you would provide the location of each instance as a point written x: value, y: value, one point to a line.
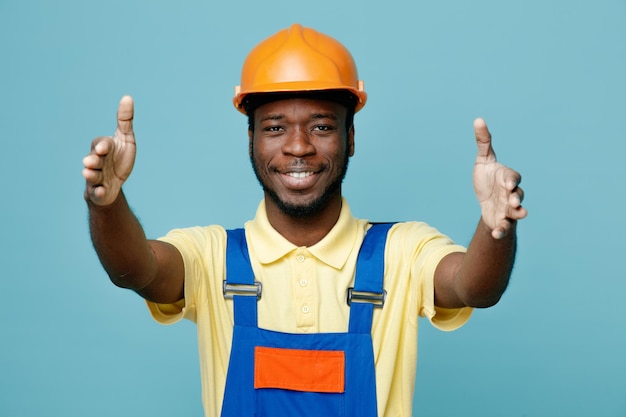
x: 312, y: 328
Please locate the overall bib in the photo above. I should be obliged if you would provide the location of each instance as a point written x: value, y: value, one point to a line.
x: 324, y: 374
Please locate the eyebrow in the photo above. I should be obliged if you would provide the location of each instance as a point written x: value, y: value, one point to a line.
x: 275, y: 116
x: 324, y: 116
x: 314, y: 116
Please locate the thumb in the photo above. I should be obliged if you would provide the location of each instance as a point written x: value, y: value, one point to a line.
x: 483, y: 140
x: 125, y: 114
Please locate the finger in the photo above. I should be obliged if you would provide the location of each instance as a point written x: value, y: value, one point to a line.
x: 516, y: 197
x: 502, y: 230
x: 95, y: 193
x: 483, y: 139
x: 102, y: 145
x: 516, y: 213
x: 511, y: 179
x: 93, y: 161
x: 125, y: 114
x: 514, y: 200
x: 100, y: 148
x: 93, y: 177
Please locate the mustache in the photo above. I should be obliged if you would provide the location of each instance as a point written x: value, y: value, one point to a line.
x: 298, y: 162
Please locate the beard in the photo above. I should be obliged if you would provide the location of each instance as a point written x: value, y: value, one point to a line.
x: 304, y: 210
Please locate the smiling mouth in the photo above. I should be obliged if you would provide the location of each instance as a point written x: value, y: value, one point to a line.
x: 299, y: 174
x: 299, y: 180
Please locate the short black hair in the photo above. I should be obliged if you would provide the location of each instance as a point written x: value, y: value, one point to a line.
x: 343, y: 97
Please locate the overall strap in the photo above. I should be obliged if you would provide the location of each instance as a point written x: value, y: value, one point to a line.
x: 368, y: 289
x: 239, y: 283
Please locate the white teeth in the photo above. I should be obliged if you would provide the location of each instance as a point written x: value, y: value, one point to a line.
x: 299, y: 174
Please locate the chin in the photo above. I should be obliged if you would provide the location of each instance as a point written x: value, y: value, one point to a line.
x: 301, y: 209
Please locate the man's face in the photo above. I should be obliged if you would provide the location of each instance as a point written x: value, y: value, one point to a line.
x: 299, y: 151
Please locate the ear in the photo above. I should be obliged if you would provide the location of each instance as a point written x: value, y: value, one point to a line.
x: 250, y: 141
x: 350, y: 141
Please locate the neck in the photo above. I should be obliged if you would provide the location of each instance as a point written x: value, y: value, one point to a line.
x: 304, y: 231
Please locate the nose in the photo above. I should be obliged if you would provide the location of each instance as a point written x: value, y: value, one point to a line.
x: 297, y: 143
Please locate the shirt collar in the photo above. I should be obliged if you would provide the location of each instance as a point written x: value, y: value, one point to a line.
x: 333, y: 249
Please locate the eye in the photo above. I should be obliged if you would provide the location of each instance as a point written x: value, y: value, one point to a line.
x: 272, y: 129
x: 323, y: 128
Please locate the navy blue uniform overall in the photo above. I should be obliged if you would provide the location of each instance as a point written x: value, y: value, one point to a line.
x: 323, y: 374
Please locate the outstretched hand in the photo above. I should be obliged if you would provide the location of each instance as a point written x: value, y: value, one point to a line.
x: 496, y: 186
x: 111, y: 159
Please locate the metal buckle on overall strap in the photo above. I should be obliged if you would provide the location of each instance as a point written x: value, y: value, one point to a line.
x: 375, y: 298
x: 248, y: 290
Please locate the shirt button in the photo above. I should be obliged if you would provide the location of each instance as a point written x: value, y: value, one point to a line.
x: 300, y: 258
x: 306, y: 309
x: 303, y: 282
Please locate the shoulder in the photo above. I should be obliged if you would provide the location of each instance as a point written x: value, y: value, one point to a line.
x: 408, y: 241
x: 196, y: 238
x: 414, y: 232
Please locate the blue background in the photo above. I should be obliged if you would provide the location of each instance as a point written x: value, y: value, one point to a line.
x: 548, y: 76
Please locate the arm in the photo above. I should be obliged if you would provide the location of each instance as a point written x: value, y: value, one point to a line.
x: 479, y: 277
x: 151, y: 268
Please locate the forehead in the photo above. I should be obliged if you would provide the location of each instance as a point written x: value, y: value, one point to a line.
x: 301, y: 108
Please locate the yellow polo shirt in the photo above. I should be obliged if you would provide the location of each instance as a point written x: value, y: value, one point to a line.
x: 304, y: 291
